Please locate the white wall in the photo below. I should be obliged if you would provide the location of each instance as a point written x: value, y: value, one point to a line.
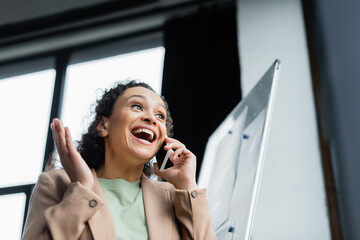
x: 292, y: 201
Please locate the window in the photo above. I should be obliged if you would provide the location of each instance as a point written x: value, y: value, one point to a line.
x: 11, y: 217
x: 25, y: 103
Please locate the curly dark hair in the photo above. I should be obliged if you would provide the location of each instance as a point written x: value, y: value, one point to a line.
x: 91, y: 146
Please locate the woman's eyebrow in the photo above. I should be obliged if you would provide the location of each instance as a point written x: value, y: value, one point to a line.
x: 143, y: 97
x: 140, y: 96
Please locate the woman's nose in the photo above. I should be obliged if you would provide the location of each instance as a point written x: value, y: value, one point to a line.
x: 150, y: 119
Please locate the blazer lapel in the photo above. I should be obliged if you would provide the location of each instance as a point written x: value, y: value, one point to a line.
x: 101, y: 223
x: 156, y: 201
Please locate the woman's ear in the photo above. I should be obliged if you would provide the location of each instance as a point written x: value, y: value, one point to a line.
x: 102, y: 127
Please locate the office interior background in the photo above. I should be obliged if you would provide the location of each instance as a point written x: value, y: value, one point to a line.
x: 204, y: 56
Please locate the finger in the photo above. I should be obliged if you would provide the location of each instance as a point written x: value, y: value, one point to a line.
x: 59, y: 129
x: 156, y: 170
x: 177, y: 154
x: 174, y: 145
x: 165, y: 174
x: 59, y: 136
x: 156, y: 167
x: 172, y: 158
x: 171, y: 155
x: 172, y: 140
x: 168, y: 139
x: 69, y: 143
x: 52, y: 127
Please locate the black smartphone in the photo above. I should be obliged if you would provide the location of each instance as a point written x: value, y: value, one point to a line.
x: 160, y: 157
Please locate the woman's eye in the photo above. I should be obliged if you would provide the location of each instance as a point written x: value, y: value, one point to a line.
x: 161, y: 116
x: 136, y: 106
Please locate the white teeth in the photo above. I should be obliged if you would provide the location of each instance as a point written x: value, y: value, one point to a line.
x: 139, y: 130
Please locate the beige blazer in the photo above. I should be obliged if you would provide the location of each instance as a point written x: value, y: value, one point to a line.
x: 60, y: 209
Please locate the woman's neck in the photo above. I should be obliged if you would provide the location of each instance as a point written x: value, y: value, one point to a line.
x: 118, y: 169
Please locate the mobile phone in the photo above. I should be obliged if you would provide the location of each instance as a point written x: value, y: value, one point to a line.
x: 162, y: 158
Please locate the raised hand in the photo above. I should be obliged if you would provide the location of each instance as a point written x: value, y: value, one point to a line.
x: 182, y: 174
x: 71, y: 159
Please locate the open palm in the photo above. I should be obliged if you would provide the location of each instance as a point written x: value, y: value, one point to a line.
x: 71, y: 159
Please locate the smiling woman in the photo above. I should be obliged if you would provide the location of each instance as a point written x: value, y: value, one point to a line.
x: 103, y: 193
x: 109, y: 107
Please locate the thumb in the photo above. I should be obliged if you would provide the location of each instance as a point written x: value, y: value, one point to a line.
x: 156, y: 169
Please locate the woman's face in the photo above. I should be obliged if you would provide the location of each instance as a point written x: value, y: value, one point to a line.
x: 137, y: 126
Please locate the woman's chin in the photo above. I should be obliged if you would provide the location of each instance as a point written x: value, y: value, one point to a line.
x: 144, y: 156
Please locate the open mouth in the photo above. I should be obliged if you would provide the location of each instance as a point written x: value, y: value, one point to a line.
x: 144, y: 134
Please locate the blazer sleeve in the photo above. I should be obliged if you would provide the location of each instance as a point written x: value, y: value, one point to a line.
x: 53, y: 216
x: 192, y: 212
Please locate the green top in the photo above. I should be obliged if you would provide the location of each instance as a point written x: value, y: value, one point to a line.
x: 127, y: 208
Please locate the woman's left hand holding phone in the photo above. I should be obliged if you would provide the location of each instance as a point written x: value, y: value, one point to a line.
x: 183, y: 174
x: 70, y: 158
